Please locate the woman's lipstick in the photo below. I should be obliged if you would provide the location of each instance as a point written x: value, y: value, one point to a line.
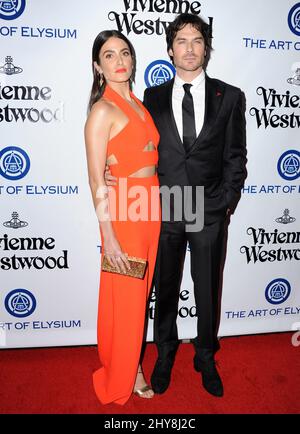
x: 121, y: 70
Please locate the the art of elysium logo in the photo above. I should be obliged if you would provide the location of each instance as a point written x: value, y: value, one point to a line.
x: 158, y: 72
x: 10, y: 10
x: 278, y: 291
x: 14, y: 163
x: 9, y: 68
x: 288, y: 165
x: 15, y: 222
x: 294, y: 19
x: 20, y: 303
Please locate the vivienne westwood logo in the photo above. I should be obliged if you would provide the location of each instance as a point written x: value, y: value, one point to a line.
x: 132, y: 16
x: 286, y: 218
x: 9, y: 68
x: 272, y: 246
x: 295, y: 79
x: 276, y: 109
x: 15, y: 222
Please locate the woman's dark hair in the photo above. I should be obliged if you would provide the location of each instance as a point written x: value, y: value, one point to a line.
x: 198, y: 23
x: 98, y: 87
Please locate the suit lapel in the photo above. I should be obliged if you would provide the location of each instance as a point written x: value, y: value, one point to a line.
x: 166, y: 111
x: 213, y: 99
x: 172, y: 118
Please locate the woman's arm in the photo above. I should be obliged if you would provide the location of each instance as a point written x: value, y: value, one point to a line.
x: 97, y: 132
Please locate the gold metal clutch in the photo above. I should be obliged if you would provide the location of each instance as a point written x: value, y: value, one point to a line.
x: 137, y: 267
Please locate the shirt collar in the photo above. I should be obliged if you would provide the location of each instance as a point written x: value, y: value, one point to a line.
x: 178, y: 82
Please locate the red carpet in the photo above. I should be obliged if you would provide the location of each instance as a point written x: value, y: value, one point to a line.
x: 260, y: 375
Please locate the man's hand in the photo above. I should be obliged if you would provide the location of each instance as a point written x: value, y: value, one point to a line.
x: 109, y: 179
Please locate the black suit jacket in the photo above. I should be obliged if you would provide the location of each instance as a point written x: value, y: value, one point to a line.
x: 217, y: 159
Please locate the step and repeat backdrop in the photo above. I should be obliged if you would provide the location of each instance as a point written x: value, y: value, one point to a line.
x: 49, y: 236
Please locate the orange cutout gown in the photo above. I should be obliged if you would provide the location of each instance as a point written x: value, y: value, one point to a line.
x: 122, y: 299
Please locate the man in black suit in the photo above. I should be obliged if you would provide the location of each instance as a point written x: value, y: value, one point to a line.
x: 202, y: 143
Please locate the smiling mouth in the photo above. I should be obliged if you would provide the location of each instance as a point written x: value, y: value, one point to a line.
x: 121, y: 70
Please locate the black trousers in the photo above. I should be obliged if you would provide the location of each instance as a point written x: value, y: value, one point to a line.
x: 206, y: 253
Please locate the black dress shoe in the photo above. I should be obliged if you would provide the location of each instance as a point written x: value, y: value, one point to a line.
x: 211, y: 380
x: 161, y: 375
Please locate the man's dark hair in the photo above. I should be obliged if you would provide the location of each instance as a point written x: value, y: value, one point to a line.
x: 197, y: 22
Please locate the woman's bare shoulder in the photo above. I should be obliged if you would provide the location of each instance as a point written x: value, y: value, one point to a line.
x: 102, y: 107
x: 101, y: 114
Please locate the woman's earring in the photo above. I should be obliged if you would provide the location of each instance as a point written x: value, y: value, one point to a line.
x: 101, y: 79
x: 131, y: 77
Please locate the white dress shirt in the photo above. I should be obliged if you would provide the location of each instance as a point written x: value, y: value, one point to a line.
x: 198, y: 93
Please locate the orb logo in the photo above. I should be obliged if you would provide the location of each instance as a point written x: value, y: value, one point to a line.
x: 295, y: 79
x: 288, y: 165
x: 10, y: 10
x: 285, y: 218
x: 158, y: 72
x: 14, y: 163
x: 9, y: 68
x: 15, y: 222
x: 278, y: 291
x: 294, y: 19
x: 20, y: 303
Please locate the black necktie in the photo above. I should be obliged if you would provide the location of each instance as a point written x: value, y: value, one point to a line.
x: 188, y: 118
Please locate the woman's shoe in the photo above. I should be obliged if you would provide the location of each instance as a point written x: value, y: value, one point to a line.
x: 142, y: 392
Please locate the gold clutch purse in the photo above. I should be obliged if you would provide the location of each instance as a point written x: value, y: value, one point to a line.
x: 137, y: 267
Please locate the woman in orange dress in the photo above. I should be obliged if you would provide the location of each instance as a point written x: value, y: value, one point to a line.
x: 120, y: 132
